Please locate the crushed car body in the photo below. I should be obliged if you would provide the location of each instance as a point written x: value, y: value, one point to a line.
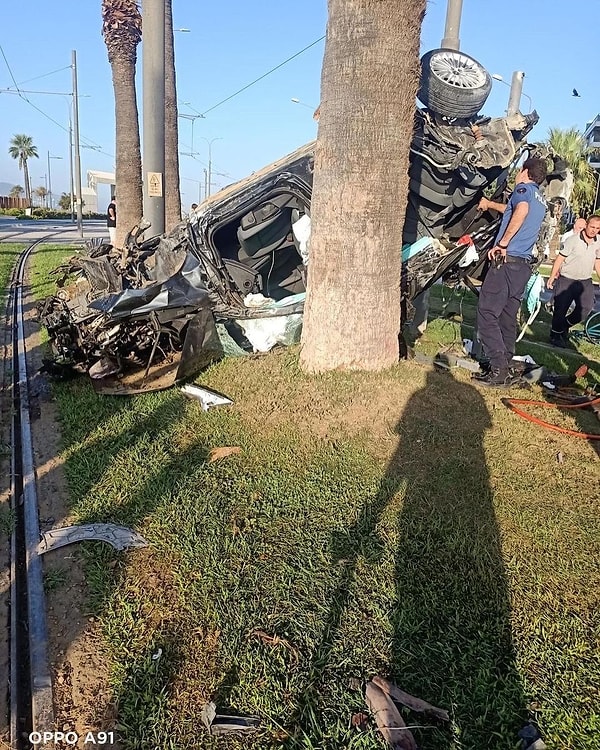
x: 231, y: 280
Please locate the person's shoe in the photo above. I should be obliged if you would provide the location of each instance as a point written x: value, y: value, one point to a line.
x: 484, y: 370
x: 559, y: 340
x: 496, y: 378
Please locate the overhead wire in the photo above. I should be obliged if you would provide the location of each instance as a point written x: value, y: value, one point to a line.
x: 14, y: 80
x: 45, y: 75
x: 87, y: 142
x: 260, y: 78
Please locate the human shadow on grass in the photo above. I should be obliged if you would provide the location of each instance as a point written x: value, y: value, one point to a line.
x: 452, y: 643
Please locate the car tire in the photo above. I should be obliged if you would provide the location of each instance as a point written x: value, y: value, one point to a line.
x: 453, y: 84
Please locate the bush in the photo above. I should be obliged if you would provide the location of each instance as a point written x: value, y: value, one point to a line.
x: 12, y: 211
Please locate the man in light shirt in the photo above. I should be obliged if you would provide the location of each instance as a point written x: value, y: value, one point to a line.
x: 571, y: 280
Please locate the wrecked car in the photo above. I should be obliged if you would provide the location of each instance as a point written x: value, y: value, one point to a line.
x: 231, y: 280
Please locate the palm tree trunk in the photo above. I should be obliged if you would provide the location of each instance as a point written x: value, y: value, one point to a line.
x: 172, y: 195
x: 27, y: 183
x: 128, y: 157
x: 368, y: 85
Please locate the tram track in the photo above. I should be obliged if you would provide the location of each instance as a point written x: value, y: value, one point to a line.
x: 30, y: 684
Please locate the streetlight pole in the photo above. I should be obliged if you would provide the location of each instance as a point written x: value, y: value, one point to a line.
x: 77, y: 154
x: 50, y: 178
x: 153, y: 79
x: 516, y: 91
x: 302, y: 104
x: 71, y: 165
x: 452, y: 29
x: 209, y: 174
x: 193, y: 119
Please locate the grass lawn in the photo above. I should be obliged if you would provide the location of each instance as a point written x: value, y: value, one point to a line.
x: 9, y: 253
x: 452, y: 316
x: 403, y: 524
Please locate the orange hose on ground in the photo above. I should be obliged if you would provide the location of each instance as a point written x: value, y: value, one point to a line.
x: 510, y: 402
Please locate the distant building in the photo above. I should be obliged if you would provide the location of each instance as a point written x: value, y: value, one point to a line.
x: 592, y: 140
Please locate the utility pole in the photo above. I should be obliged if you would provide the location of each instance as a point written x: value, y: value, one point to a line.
x: 516, y: 90
x: 77, y: 155
x: 71, y: 165
x: 49, y: 182
x: 153, y: 79
x: 452, y: 30
x: 209, y: 176
x: 205, y: 184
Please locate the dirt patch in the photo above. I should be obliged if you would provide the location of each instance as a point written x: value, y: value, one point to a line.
x: 83, y: 699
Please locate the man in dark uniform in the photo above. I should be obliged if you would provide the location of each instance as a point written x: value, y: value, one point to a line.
x: 507, y: 277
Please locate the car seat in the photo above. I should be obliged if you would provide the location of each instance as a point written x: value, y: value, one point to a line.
x: 265, y: 229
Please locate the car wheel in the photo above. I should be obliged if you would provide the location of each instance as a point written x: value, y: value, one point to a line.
x: 452, y: 83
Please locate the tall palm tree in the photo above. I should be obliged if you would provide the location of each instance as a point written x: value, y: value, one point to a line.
x: 368, y: 85
x: 122, y: 31
x: 571, y: 145
x: 22, y: 148
x: 172, y: 195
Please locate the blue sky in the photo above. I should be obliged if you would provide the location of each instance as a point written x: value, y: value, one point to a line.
x: 233, y: 42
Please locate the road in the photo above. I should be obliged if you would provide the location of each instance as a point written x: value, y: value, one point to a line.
x: 28, y: 231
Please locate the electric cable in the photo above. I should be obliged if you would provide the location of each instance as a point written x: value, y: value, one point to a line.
x: 45, y: 75
x: 260, y: 78
x: 90, y: 143
x: 511, y: 403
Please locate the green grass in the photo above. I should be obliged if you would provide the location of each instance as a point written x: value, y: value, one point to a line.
x: 55, y: 579
x: 9, y: 252
x: 545, y: 269
x: 46, y: 259
x: 452, y: 316
x: 401, y: 524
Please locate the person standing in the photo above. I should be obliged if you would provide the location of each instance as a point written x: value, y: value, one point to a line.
x: 571, y: 280
x: 502, y: 290
x: 578, y: 226
x: 111, y: 221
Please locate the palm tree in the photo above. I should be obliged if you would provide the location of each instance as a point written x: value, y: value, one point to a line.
x: 16, y: 191
x: 22, y: 148
x: 122, y: 31
x: 368, y: 87
x: 172, y: 195
x: 42, y: 194
x: 571, y: 145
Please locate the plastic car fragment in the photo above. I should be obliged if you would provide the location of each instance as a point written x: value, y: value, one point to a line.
x: 223, y: 724
x: 119, y: 537
x: 208, y: 399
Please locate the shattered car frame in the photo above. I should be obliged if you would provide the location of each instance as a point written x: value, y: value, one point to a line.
x: 231, y: 279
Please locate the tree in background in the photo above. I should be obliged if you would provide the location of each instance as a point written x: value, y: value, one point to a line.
x: 571, y: 145
x: 122, y: 31
x: 171, y: 184
x: 64, y: 202
x: 368, y: 85
x: 16, y: 191
x: 42, y: 193
x: 22, y: 148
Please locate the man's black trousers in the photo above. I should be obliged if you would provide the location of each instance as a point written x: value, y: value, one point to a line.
x: 567, y: 291
x: 499, y: 302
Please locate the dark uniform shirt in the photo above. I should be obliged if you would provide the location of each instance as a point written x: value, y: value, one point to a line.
x: 522, y: 243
